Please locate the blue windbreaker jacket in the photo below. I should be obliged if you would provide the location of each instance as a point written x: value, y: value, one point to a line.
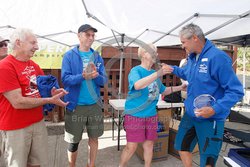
x: 72, y: 68
x: 211, y: 74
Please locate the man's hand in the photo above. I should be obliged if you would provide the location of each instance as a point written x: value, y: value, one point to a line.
x: 56, y: 97
x: 165, y: 69
x: 90, y: 72
x: 55, y: 91
x: 91, y: 75
x: 205, y: 112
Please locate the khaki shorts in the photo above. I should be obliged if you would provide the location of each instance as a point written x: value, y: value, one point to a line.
x: 27, y: 146
x: 1, y: 144
x: 90, y: 116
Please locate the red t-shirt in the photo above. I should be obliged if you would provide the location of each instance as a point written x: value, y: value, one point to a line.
x: 16, y: 74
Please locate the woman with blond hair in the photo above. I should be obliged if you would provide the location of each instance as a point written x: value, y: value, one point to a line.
x: 140, y: 121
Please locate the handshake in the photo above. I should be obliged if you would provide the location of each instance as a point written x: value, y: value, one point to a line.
x: 165, y: 69
x: 90, y: 71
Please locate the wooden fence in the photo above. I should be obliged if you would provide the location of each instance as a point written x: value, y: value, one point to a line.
x: 111, y: 56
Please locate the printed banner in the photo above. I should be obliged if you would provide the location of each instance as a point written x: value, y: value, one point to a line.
x: 50, y: 56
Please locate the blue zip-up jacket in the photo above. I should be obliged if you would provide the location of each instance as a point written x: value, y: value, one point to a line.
x: 211, y: 74
x: 45, y: 83
x: 72, y: 69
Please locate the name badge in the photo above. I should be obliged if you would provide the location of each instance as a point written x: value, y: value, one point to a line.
x: 204, y: 59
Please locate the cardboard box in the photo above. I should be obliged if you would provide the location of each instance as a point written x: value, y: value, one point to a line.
x: 160, y: 150
x: 173, y: 128
x: 164, y: 116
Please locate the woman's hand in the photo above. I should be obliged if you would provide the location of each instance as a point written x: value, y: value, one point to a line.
x: 165, y: 69
x: 184, y: 86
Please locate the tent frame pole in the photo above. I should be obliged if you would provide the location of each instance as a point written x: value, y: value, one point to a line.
x: 121, y: 66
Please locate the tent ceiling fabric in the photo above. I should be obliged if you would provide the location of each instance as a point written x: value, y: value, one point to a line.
x: 150, y: 19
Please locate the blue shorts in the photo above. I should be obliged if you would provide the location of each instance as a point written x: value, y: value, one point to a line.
x: 208, y: 134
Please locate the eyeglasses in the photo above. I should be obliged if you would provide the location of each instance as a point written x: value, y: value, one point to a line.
x: 88, y: 35
x: 2, y: 44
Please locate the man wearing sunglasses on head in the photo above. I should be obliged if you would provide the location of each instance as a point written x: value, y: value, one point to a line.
x: 3, y: 47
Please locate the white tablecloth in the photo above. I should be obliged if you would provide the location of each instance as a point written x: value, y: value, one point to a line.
x: 119, y: 104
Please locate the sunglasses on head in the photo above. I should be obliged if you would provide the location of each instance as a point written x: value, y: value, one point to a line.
x: 2, y: 44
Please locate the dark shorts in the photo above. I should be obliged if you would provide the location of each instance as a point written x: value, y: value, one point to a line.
x: 89, y: 117
x: 208, y: 134
x: 140, y: 129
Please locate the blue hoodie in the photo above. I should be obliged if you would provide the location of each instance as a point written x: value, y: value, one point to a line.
x: 72, y: 68
x: 211, y: 74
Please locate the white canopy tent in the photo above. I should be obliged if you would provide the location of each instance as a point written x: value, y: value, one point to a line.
x: 150, y: 26
x: 119, y: 22
x: 58, y: 20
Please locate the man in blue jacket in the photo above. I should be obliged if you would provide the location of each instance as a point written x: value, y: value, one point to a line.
x: 83, y: 74
x: 209, y: 73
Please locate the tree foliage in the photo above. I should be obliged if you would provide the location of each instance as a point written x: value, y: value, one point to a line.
x: 241, y: 52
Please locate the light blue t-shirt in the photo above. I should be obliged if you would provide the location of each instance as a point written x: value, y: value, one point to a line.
x: 142, y: 103
x: 87, y: 94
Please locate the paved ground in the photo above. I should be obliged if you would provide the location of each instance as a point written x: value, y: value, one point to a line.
x: 108, y: 156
